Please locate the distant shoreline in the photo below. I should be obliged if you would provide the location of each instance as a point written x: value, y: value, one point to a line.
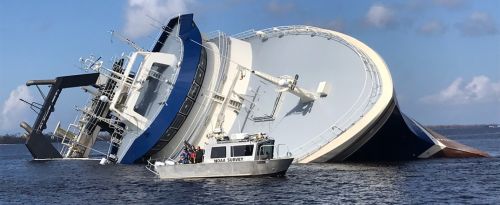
x: 463, y: 126
x: 12, y: 139
x: 18, y: 139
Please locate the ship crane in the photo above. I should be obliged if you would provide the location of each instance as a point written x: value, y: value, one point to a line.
x: 285, y: 83
x: 288, y: 84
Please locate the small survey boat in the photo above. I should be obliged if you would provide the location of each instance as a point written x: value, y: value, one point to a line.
x: 239, y: 155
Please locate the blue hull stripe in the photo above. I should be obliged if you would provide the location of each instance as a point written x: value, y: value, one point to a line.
x: 191, y: 56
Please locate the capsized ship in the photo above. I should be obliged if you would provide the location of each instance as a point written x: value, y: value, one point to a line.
x: 326, y: 95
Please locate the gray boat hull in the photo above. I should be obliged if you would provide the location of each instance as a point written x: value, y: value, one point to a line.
x: 273, y: 167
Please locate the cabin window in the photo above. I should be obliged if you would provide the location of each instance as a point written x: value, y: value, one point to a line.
x: 266, y: 150
x: 242, y: 150
x: 149, y: 90
x: 218, y: 152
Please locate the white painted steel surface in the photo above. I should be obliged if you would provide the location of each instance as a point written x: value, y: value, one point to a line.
x: 359, y: 81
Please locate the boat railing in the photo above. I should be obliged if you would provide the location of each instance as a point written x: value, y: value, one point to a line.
x: 151, y: 167
x: 371, y: 90
x: 288, y: 154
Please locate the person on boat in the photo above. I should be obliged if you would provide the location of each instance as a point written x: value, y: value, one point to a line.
x: 184, y: 159
x: 192, y: 156
x: 181, y: 160
x: 199, y: 155
x: 190, y: 153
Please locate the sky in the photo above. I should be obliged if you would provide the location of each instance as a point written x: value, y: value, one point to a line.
x: 443, y: 55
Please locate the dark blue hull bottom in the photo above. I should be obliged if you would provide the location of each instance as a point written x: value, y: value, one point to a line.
x: 401, y: 138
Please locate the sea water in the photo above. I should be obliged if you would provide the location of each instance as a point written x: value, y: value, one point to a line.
x: 430, y: 181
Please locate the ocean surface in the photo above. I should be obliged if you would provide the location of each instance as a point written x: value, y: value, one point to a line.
x: 432, y: 181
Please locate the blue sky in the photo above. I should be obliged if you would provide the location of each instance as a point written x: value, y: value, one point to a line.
x: 444, y: 55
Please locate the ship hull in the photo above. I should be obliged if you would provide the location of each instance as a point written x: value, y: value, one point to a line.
x: 401, y: 138
x: 273, y: 167
x: 357, y: 117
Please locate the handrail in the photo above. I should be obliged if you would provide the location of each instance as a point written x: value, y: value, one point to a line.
x: 148, y: 167
x: 349, y: 118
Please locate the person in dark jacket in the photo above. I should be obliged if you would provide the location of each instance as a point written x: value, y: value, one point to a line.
x: 199, y: 155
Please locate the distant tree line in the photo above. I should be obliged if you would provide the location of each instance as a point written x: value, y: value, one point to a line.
x: 12, y: 139
x: 479, y: 126
x: 18, y: 139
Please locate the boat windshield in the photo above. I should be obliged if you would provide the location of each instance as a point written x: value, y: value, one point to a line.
x: 266, y: 150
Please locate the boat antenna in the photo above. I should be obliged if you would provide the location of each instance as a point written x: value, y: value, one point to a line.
x: 126, y: 40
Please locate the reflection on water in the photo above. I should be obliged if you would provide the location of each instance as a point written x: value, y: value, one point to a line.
x: 475, y: 180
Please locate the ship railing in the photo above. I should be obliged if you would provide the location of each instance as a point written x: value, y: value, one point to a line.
x: 222, y: 41
x: 212, y: 35
x: 72, y: 144
x: 82, y: 123
x: 316, y: 143
x: 76, y: 127
x: 368, y: 96
x: 341, y: 125
x: 110, y: 122
x: 338, y: 128
x: 92, y: 110
x: 280, y: 31
x: 96, y: 64
x: 95, y: 108
x: 87, y: 114
x: 66, y: 142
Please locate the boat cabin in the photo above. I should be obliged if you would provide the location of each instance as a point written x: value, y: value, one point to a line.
x: 235, y: 156
x: 243, y: 147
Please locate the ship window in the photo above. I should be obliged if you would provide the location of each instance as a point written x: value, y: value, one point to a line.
x: 149, y: 90
x: 218, y: 152
x: 242, y: 150
x: 139, y: 59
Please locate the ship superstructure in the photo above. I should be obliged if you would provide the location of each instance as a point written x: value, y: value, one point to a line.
x: 326, y: 95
